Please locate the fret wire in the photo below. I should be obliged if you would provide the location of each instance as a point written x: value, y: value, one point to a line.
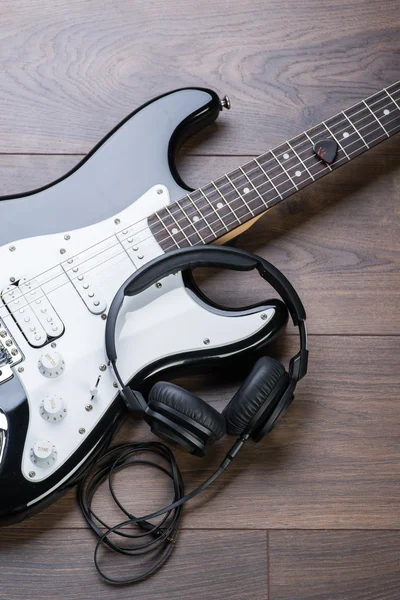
x: 224, y: 207
x: 269, y: 179
x: 284, y: 170
x: 177, y: 224
x: 202, y: 216
x: 197, y: 210
x: 312, y: 144
x: 366, y: 125
x: 219, y: 217
x: 239, y: 194
x: 189, y: 221
x: 375, y: 117
x: 227, y: 202
x: 303, y: 148
x: 391, y: 97
x: 303, y: 163
x: 355, y: 128
x: 166, y: 228
x: 254, y: 188
x: 260, y: 173
x: 337, y: 141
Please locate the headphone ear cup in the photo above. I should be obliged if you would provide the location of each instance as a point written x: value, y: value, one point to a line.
x: 179, y: 416
x: 260, y: 393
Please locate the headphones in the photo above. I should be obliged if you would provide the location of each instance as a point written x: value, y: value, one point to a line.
x: 178, y: 416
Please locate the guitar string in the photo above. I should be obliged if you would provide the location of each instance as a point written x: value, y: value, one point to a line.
x: 296, y: 146
x: 264, y: 165
x: 141, y: 241
x: 195, y: 210
x: 190, y: 235
x: 123, y: 252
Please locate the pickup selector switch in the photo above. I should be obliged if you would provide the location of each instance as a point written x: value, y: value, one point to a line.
x: 51, y: 364
x: 43, y: 454
x: 53, y: 409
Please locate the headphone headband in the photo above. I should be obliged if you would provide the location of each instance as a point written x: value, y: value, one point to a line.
x: 210, y: 256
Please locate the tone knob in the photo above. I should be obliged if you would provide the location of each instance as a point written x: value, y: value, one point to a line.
x: 43, y: 454
x: 51, y: 364
x: 53, y: 409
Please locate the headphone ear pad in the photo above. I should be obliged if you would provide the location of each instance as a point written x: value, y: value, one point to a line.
x: 265, y: 385
x: 182, y: 402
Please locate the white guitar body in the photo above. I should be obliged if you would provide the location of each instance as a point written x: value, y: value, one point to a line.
x: 59, y: 403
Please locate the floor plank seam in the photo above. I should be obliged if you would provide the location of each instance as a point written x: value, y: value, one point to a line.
x: 227, y: 529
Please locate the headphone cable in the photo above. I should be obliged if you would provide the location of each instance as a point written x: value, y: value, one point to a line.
x: 158, y: 539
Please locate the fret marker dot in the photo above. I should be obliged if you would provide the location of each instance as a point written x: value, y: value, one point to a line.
x: 346, y: 134
x: 298, y: 173
x: 286, y: 156
x: 246, y: 190
x: 220, y: 205
x: 195, y: 219
x: 386, y: 111
x: 174, y: 231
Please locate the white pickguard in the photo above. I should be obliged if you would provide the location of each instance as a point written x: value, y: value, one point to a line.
x: 162, y: 321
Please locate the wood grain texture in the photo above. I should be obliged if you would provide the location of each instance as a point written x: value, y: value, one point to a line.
x: 57, y: 565
x: 313, y: 565
x: 334, y: 461
x: 71, y: 70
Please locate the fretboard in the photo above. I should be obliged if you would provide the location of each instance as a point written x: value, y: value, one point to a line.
x: 223, y: 205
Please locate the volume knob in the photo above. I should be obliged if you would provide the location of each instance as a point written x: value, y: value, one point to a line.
x: 51, y: 364
x: 43, y: 454
x: 52, y: 409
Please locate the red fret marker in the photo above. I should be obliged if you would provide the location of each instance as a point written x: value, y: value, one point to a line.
x: 326, y: 150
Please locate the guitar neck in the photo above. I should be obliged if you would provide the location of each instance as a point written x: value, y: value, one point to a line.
x: 229, y: 202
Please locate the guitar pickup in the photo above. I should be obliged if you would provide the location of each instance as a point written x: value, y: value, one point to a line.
x: 33, y: 312
x: 42, y: 308
x: 90, y: 295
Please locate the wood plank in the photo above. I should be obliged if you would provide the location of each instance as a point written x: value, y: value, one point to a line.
x: 313, y: 565
x: 51, y: 565
x: 334, y: 461
x: 72, y: 70
x: 338, y: 241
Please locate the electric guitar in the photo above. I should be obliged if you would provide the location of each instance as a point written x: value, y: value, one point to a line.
x: 66, y: 248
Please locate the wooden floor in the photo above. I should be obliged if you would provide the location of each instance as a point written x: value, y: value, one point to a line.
x: 312, y: 512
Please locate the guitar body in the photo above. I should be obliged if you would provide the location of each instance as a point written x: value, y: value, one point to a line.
x: 65, y: 249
